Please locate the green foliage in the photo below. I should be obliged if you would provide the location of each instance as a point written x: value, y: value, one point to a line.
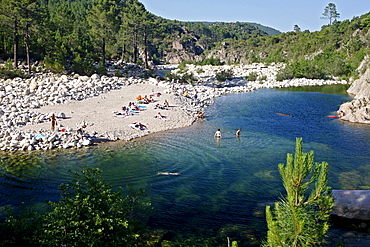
x: 71, y: 35
x: 118, y: 73
x: 88, y: 214
x: 101, y: 69
x: 330, y: 13
x: 301, y: 218
x: 182, y: 66
x: 224, y: 75
x: 251, y: 76
x: 188, y: 78
x: 22, y: 229
x: 83, y: 66
x: 210, y: 61
x: 263, y: 78
x: 55, y: 64
x: 301, y: 69
x: 8, y: 72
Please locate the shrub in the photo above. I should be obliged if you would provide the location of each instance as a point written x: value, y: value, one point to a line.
x: 188, y: 78
x: 251, y: 76
x: 56, y: 64
x: 210, y: 61
x: 88, y: 214
x: 263, y: 78
x: 224, y: 75
x: 82, y: 66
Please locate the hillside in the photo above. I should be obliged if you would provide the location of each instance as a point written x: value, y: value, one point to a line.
x: 81, y: 36
x: 268, y: 30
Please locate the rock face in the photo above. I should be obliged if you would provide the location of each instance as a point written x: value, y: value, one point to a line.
x: 358, y: 110
x: 352, y: 204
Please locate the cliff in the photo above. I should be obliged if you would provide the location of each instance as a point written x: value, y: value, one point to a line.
x: 358, y: 110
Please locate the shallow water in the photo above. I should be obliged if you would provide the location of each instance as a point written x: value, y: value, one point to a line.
x: 222, y: 184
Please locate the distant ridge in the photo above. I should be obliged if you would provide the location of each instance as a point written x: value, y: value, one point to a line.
x: 269, y: 30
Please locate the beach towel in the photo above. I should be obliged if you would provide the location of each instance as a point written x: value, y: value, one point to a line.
x: 123, y: 116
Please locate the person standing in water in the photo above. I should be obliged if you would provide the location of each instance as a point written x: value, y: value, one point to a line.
x: 238, y: 132
x: 218, y: 134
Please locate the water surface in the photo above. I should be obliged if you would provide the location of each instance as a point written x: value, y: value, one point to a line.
x: 223, y: 184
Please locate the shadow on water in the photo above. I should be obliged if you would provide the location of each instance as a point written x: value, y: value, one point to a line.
x: 224, y: 186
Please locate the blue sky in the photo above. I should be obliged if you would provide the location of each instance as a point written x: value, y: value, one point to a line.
x: 279, y: 14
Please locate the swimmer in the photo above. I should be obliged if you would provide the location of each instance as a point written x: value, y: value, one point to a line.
x: 169, y: 173
x: 218, y: 134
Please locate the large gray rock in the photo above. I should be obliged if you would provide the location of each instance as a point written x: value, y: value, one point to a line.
x: 352, y: 204
x: 358, y: 109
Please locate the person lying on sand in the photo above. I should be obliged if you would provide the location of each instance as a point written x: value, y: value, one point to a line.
x: 160, y: 116
x: 158, y: 106
x: 138, y: 126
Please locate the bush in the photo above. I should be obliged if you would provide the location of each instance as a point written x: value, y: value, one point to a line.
x: 188, y: 78
x: 8, y: 72
x: 284, y: 74
x: 88, y: 214
x: 263, y: 78
x: 251, y: 76
x: 182, y: 67
x: 56, y: 64
x: 83, y: 66
x: 210, y: 61
x: 224, y: 75
x: 101, y: 69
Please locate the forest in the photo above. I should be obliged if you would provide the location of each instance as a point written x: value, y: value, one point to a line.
x: 80, y: 36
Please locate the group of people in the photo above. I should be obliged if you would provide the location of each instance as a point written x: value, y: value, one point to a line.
x: 53, y: 125
x: 145, y: 99
x: 219, y: 135
x: 162, y: 107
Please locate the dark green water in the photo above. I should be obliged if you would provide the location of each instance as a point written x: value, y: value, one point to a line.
x: 223, y: 185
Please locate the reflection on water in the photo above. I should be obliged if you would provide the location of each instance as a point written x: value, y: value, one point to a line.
x: 224, y: 186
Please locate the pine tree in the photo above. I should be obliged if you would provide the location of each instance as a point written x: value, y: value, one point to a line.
x: 301, y: 218
x: 330, y: 12
x: 137, y: 29
x: 103, y: 18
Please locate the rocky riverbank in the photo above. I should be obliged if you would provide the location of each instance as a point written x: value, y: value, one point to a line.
x: 358, y: 110
x: 93, y: 101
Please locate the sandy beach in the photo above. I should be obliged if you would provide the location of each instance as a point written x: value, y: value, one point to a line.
x: 99, y: 113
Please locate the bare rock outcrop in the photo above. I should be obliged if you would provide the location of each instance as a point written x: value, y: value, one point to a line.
x: 352, y: 204
x: 358, y: 110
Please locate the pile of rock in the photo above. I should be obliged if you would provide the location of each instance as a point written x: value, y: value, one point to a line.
x: 266, y: 77
x: 42, y: 140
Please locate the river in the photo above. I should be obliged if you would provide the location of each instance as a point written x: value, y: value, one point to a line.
x: 224, y: 185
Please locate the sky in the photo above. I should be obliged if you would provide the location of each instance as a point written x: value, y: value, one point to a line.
x: 278, y: 14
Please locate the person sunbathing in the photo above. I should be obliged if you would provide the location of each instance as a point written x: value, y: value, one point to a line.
x: 160, y: 116
x: 151, y: 98
x: 138, y: 126
x: 146, y: 100
x: 158, y: 106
